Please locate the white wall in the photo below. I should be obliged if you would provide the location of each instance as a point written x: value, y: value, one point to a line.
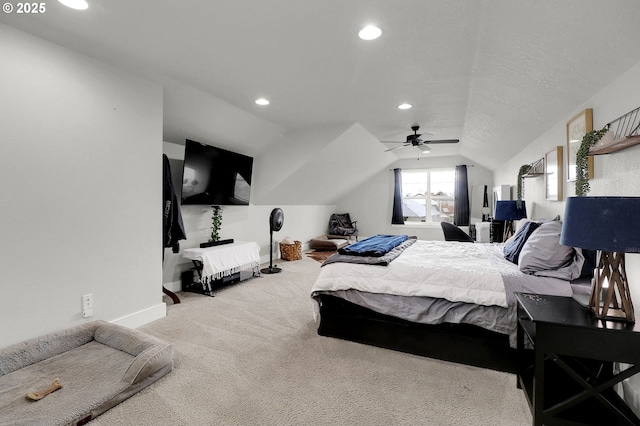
x: 190, y: 113
x: 371, y: 203
x: 242, y: 223
x: 80, y: 166
x: 329, y: 161
x: 615, y: 174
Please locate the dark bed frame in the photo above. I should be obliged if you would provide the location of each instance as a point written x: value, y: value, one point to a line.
x: 460, y: 343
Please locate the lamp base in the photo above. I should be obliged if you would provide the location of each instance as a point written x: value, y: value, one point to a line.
x: 612, y: 314
x: 610, y: 297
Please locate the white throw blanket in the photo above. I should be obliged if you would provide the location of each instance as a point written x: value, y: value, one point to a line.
x: 458, y: 272
x: 226, y: 259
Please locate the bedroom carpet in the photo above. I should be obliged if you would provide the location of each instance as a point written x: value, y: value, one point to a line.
x: 251, y: 356
x: 321, y: 256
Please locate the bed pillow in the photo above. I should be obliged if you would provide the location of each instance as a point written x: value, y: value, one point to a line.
x: 542, y: 251
x: 519, y: 224
x: 569, y: 272
x: 512, y: 249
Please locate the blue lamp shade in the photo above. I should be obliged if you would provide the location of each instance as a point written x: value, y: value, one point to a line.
x: 510, y: 210
x: 609, y: 224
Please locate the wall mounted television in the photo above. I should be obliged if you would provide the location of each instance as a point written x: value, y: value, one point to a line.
x: 215, y: 176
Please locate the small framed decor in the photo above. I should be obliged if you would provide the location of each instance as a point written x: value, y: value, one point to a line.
x: 553, y: 174
x: 577, y: 127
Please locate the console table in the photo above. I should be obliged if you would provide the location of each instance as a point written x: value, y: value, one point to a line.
x: 226, y: 260
x: 571, y: 377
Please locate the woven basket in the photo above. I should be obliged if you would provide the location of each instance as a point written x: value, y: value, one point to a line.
x: 291, y: 251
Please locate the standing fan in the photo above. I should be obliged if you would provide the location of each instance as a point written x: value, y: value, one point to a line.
x: 276, y: 220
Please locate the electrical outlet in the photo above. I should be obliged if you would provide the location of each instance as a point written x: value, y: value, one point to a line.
x: 87, y: 313
x: 87, y: 302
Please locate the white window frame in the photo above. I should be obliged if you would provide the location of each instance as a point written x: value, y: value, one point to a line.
x: 428, y: 198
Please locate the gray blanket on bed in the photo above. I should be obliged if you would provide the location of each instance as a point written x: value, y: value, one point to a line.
x: 383, y: 260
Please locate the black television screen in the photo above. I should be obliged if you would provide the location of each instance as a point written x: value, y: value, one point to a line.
x: 215, y: 176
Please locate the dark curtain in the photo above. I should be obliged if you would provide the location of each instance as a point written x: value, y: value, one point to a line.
x: 462, y: 211
x: 397, y: 217
x: 172, y: 226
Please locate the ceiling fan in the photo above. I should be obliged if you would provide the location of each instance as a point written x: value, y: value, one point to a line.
x: 414, y: 140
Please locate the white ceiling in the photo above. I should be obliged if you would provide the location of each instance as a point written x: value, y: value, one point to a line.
x: 495, y: 74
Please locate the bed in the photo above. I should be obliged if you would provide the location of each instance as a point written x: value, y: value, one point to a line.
x: 447, y: 300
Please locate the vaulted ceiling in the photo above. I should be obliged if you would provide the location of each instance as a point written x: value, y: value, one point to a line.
x: 495, y: 74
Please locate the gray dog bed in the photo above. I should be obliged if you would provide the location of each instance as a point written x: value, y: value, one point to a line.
x: 99, y: 365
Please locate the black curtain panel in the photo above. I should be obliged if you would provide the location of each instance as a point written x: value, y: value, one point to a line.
x: 172, y: 226
x: 397, y: 217
x: 462, y: 211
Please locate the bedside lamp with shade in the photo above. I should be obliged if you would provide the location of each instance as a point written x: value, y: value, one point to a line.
x: 610, y: 225
x: 510, y: 210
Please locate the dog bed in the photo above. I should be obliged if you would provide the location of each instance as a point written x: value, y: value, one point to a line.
x: 98, y: 365
x: 325, y: 243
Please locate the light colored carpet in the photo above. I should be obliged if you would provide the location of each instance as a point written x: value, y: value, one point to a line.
x: 320, y: 256
x: 251, y: 356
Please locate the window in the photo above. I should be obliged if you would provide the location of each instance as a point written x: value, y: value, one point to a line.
x: 428, y: 195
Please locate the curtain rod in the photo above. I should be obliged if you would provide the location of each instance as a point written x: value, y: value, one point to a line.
x: 422, y: 168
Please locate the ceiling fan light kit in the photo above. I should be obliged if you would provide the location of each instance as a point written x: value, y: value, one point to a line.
x: 414, y: 140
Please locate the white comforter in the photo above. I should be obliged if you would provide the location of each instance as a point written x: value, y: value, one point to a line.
x: 460, y: 272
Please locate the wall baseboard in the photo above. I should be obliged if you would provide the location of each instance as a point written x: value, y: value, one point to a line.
x: 142, y: 317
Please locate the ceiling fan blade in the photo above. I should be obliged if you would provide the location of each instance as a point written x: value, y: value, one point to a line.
x: 404, y: 142
x: 396, y: 147
x: 442, y: 141
x: 417, y: 136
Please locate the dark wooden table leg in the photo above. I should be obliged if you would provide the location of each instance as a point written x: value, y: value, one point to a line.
x: 171, y: 294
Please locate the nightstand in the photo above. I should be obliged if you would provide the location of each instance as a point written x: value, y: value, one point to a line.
x: 568, y: 377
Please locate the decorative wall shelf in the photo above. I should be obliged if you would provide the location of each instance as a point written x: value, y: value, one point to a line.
x: 537, y: 169
x: 623, y: 132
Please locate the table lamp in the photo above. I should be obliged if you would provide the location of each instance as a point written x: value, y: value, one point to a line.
x: 610, y: 225
x: 510, y: 210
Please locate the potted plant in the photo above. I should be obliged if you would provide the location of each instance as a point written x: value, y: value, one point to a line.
x: 216, y: 223
x: 582, y: 160
x: 524, y: 169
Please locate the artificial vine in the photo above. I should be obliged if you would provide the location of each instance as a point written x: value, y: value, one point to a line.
x: 216, y: 223
x: 524, y: 169
x: 582, y: 160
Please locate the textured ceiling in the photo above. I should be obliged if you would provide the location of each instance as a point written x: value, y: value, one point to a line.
x: 495, y: 74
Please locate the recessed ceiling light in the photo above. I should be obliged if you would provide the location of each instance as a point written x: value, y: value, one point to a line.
x: 75, y: 4
x: 405, y: 106
x: 370, y: 32
x: 262, y: 101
